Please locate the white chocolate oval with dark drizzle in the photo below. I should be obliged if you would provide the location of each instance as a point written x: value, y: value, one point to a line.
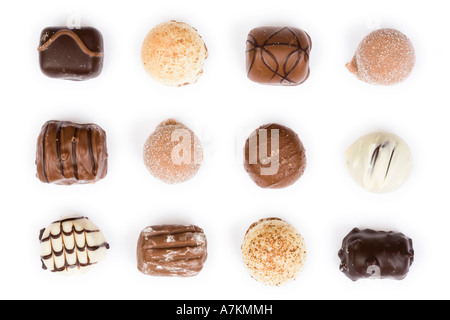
x: 380, y: 162
x: 72, y: 245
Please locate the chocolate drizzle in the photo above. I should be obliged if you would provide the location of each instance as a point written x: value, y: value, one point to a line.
x: 389, y: 164
x: 91, y: 151
x: 81, y: 227
x: 376, y: 154
x: 58, y: 148
x: 77, y: 40
x: 69, y: 153
x: 278, y: 55
x: 44, y: 168
x: 74, y: 154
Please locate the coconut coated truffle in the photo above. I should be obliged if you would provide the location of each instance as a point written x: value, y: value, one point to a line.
x: 173, y: 53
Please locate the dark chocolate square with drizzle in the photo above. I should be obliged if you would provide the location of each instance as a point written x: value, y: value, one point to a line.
x: 278, y: 56
x: 71, y: 54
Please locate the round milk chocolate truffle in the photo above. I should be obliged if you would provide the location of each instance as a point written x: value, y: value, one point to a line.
x: 173, y: 153
x: 380, y: 162
x: 274, y: 156
x: 173, y: 53
x: 273, y: 251
x: 384, y: 57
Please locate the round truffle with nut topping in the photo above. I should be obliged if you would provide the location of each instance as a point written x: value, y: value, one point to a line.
x: 273, y: 251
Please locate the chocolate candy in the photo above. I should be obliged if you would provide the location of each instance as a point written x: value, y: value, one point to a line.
x: 69, y: 153
x: 278, y: 56
x: 173, y: 53
x: 273, y: 251
x: 376, y: 255
x: 380, y: 162
x: 384, y: 57
x: 71, y: 245
x: 171, y: 250
x: 274, y: 156
x: 71, y: 54
x: 173, y: 153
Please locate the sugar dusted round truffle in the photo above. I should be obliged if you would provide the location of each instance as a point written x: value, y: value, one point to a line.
x: 380, y: 162
x: 173, y: 153
x: 273, y: 251
x: 384, y: 57
x: 173, y: 53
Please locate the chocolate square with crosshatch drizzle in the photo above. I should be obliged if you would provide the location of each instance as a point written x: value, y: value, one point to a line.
x: 278, y: 56
x: 71, y: 54
x: 70, y: 153
x: 171, y: 251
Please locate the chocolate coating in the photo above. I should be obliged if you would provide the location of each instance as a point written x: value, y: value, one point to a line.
x: 71, y: 54
x: 278, y: 56
x: 287, y: 160
x: 69, y: 153
x: 376, y: 255
x: 171, y: 250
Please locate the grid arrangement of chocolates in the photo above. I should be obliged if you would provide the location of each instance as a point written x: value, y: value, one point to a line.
x: 274, y: 252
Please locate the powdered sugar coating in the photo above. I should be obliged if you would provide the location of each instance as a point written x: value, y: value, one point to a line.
x: 173, y: 153
x: 273, y: 251
x: 384, y: 57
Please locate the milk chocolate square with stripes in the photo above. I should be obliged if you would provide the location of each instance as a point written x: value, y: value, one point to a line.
x: 70, y: 153
x: 71, y: 54
x: 171, y: 251
x: 278, y: 56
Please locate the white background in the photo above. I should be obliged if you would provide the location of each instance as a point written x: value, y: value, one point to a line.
x: 329, y: 112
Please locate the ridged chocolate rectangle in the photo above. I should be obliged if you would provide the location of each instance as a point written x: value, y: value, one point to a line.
x: 171, y: 250
x: 69, y: 153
